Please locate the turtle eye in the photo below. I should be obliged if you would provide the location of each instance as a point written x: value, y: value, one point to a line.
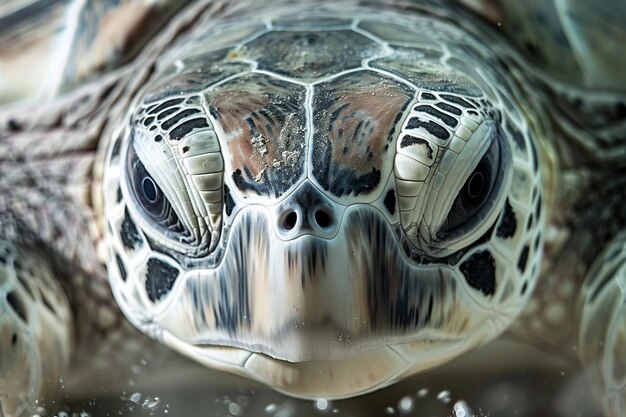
x: 477, y: 194
x: 150, y: 196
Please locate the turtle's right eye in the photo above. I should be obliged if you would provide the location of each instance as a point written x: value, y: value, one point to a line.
x: 150, y: 196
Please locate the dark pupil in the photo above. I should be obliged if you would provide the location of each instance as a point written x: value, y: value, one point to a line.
x: 475, y: 189
x: 475, y: 184
x: 149, y: 189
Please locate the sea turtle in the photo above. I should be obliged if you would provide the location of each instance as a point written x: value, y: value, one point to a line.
x: 322, y: 197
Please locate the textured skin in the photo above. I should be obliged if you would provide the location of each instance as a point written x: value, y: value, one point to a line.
x: 47, y: 155
x: 575, y: 41
x: 49, y: 47
x: 422, y: 299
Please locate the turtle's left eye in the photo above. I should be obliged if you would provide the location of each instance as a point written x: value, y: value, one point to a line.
x: 477, y: 195
x: 151, y: 198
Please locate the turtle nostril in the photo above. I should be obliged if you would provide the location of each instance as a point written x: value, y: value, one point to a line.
x: 290, y: 220
x: 323, y: 218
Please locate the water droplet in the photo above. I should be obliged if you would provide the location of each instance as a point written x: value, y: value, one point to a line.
x: 135, y: 369
x: 390, y: 410
x: 234, y: 409
x: 270, y: 408
x: 444, y: 396
x: 461, y: 409
x: 422, y: 393
x: 136, y: 397
x: 406, y: 404
x: 321, y: 405
x: 151, y: 403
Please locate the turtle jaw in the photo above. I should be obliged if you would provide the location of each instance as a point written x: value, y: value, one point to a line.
x: 314, y: 300
x: 355, y: 375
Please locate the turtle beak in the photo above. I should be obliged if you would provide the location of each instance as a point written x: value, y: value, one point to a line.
x: 317, y: 298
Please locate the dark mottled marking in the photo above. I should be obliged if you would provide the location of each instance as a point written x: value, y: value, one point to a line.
x: 429, y: 312
x: 158, y: 138
x: 518, y: 138
x: 243, y: 185
x: 22, y: 280
x: 46, y: 302
x: 229, y: 203
x: 533, y: 153
x: 408, y: 140
x: 121, y: 267
x: 431, y: 127
x: 167, y: 112
x: 538, y: 207
x: 607, y: 277
x: 480, y: 272
x: 214, y: 113
x: 166, y: 104
x: 428, y: 96
x: 118, y: 194
x: 179, y: 132
x: 193, y: 101
x: 390, y: 201
x: 449, y: 108
x: 159, y: 279
x: 508, y: 222
x: 530, y: 222
x: 129, y: 234
x: 17, y: 305
x: 335, y: 114
x: 523, y: 259
x: 115, y: 152
x: 346, y: 181
x: 185, y: 149
x: 178, y: 117
x: 524, y: 287
x: 428, y: 109
x: 395, y: 122
x: 153, y: 128
x: 148, y: 121
x: 537, y: 241
x: 457, y: 100
x: 254, y: 131
x: 14, y: 339
x: 14, y: 125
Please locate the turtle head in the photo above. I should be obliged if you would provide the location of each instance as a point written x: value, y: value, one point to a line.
x: 367, y: 223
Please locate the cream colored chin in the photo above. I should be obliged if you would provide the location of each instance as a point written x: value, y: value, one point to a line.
x: 356, y: 375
